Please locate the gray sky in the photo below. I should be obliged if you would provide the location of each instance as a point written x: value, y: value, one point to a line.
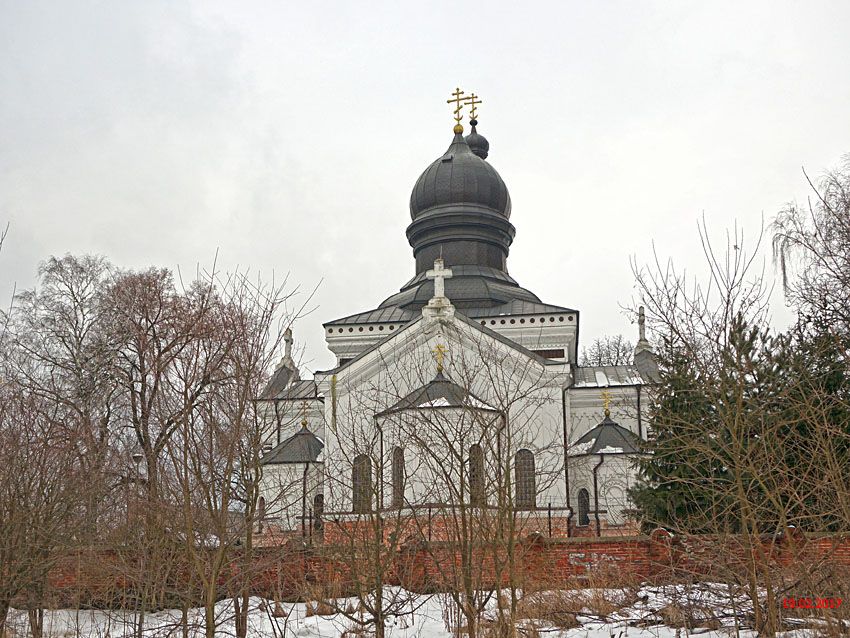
x: 288, y: 135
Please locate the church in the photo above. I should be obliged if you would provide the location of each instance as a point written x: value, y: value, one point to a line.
x: 462, y: 389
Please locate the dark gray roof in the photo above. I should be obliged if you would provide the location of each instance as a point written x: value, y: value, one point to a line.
x: 473, y: 288
x: 460, y: 176
x: 479, y: 291
x: 400, y: 315
x: 278, y: 383
x: 296, y: 390
x: 477, y: 143
x: 440, y: 392
x: 607, y: 438
x: 380, y: 315
x: 517, y: 307
x: 301, y: 447
x: 606, y: 376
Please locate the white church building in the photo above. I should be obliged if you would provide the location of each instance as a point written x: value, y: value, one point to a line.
x: 461, y: 386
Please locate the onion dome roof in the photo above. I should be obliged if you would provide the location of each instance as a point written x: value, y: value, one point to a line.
x: 460, y: 178
x: 477, y: 143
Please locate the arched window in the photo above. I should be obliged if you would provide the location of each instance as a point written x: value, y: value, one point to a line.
x: 526, y: 487
x: 476, y: 475
x: 398, y: 477
x: 361, y: 484
x: 583, y: 507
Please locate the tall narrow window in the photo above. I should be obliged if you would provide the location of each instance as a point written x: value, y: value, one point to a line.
x: 526, y: 487
x: 361, y: 484
x: 398, y: 477
x: 583, y: 507
x: 476, y: 475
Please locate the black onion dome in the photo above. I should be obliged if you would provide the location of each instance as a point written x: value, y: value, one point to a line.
x: 459, y: 179
x: 477, y: 143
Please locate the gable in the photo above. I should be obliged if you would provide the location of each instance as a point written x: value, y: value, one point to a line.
x: 405, y: 360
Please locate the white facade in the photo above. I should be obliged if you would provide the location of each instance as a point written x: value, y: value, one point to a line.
x: 516, y: 355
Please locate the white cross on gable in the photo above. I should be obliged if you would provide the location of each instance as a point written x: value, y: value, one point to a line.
x: 439, y: 275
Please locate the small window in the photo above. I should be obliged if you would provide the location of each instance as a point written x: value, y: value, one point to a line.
x: 525, y: 483
x: 476, y: 475
x: 398, y: 477
x: 361, y: 484
x: 583, y: 507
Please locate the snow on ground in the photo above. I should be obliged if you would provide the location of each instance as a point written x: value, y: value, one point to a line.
x: 641, y: 617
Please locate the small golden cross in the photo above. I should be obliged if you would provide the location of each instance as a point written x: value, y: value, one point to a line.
x: 472, y: 100
x: 606, y: 402
x: 439, y: 353
x: 304, y: 407
x: 459, y: 103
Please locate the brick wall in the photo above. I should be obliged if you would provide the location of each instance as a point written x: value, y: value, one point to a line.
x: 105, y: 577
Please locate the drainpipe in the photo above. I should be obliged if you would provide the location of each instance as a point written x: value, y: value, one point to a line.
x: 640, y: 427
x: 304, y: 501
x: 380, y: 495
x: 566, y: 463
x: 596, y: 494
x: 277, y: 419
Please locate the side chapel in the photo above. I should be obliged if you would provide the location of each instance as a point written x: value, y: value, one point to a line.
x: 461, y: 380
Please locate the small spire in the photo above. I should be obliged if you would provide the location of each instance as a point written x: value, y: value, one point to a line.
x: 287, y: 361
x: 477, y: 143
x: 643, y: 344
x: 606, y: 402
x: 304, y: 407
x: 287, y: 339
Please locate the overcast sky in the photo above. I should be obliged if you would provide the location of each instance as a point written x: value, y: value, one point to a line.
x: 287, y: 135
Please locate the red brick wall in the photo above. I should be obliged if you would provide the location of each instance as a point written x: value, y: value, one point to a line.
x: 105, y: 577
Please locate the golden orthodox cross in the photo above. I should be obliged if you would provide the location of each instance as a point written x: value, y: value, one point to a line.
x: 459, y: 103
x: 304, y: 408
x: 606, y: 402
x: 472, y: 100
x: 439, y: 353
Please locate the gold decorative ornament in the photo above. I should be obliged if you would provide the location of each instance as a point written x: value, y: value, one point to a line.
x: 606, y: 402
x: 473, y: 101
x: 439, y: 353
x: 459, y: 102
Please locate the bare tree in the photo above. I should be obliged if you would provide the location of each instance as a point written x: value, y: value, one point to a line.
x: 608, y: 351
x: 39, y: 492
x: 66, y: 359
x: 810, y: 243
x: 740, y: 425
x: 215, y: 450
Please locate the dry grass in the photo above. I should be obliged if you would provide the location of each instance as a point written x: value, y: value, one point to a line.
x: 686, y: 616
x: 560, y: 607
